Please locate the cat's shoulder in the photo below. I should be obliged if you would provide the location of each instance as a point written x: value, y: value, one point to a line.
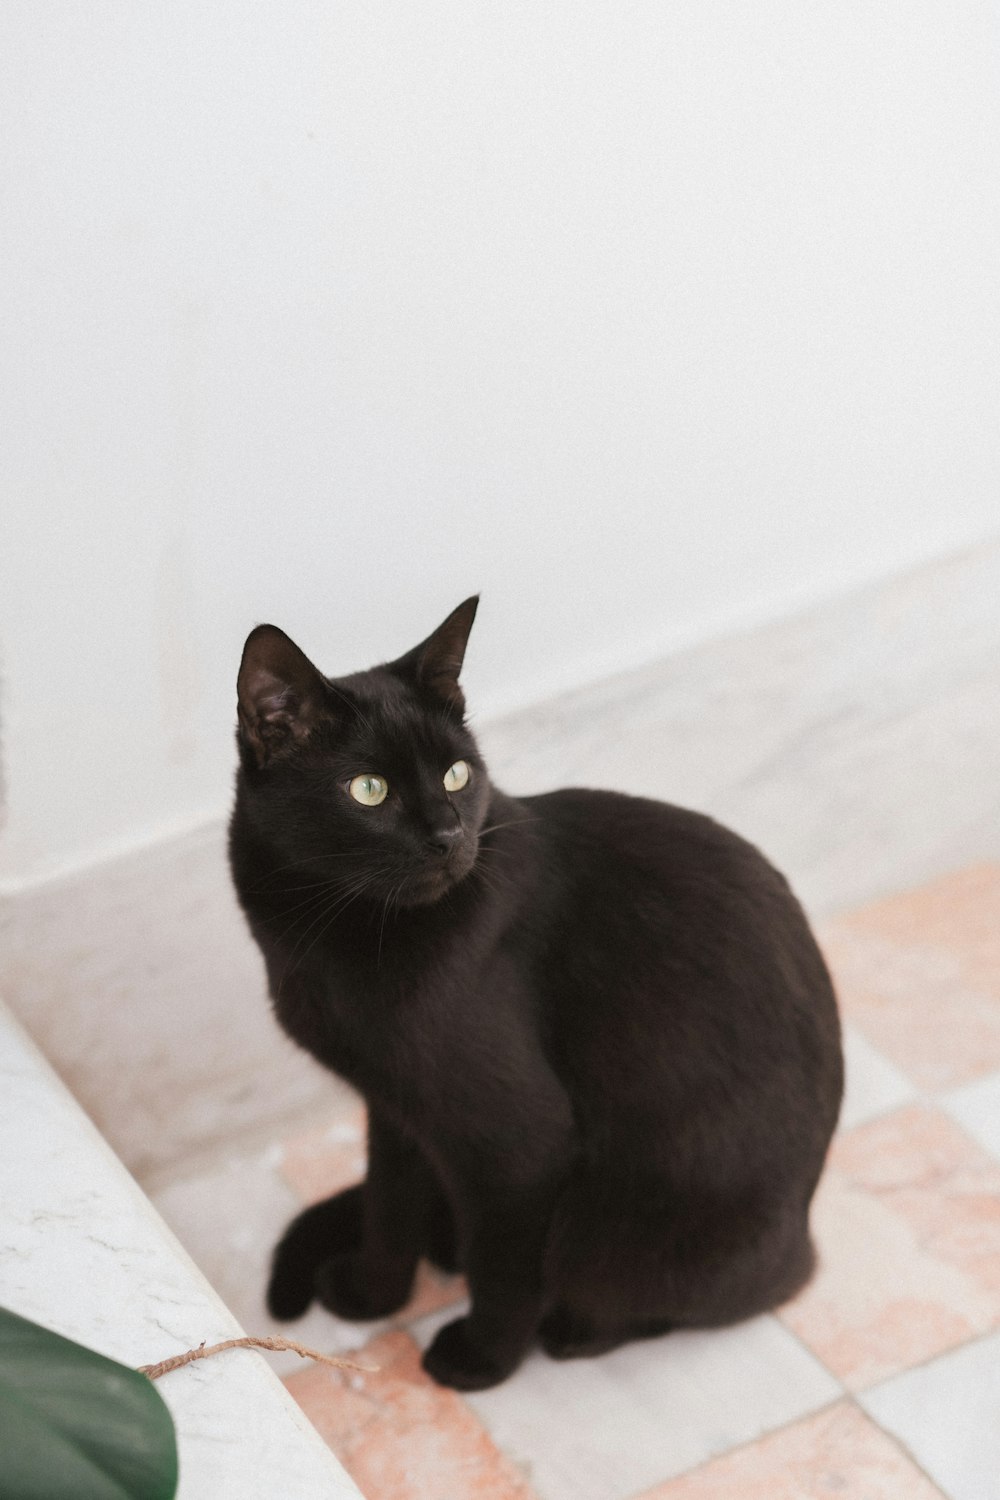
x: 643, y: 831
x: 591, y: 809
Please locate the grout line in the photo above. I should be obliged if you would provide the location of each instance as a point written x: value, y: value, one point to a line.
x: 776, y: 1314
x: 897, y: 1442
x: 932, y: 1359
x: 843, y: 1398
x: 847, y: 1399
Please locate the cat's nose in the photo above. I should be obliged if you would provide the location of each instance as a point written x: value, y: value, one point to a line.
x: 443, y: 840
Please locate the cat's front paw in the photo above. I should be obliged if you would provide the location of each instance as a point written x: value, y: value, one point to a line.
x: 310, y: 1239
x: 453, y: 1359
x: 345, y: 1288
x: 288, y: 1293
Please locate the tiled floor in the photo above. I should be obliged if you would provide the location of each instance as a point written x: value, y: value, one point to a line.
x: 881, y: 1381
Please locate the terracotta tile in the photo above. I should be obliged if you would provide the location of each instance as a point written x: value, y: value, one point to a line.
x: 907, y: 1220
x: 838, y: 1452
x: 329, y: 1157
x: 919, y: 974
x: 942, y: 1183
x: 433, y: 1291
x: 957, y: 912
x: 400, y: 1436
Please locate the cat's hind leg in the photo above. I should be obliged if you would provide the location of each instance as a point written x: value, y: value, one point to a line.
x: 333, y: 1227
x: 621, y: 1267
x: 565, y: 1334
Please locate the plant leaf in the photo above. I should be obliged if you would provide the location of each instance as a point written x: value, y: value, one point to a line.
x: 75, y: 1424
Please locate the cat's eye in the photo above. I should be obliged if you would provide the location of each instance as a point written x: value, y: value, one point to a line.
x: 369, y: 790
x: 456, y: 777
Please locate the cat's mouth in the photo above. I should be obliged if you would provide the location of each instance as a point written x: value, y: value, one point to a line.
x: 432, y: 881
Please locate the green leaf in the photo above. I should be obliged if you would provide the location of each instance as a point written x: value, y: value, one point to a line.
x: 77, y: 1426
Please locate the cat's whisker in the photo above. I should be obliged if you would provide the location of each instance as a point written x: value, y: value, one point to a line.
x: 292, y: 963
x: 330, y: 894
x: 330, y: 883
x: 381, y: 930
x: 331, y: 917
x: 511, y: 823
x: 294, y: 864
x: 310, y: 885
x: 307, y: 908
x: 488, y: 864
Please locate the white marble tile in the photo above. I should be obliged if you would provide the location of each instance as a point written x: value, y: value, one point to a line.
x: 607, y: 1428
x: 141, y: 984
x: 873, y: 1085
x: 947, y: 1413
x: 228, y: 1218
x: 976, y: 1107
x: 83, y: 1252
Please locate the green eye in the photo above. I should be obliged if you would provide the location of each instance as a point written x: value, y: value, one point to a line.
x: 369, y: 790
x: 456, y: 777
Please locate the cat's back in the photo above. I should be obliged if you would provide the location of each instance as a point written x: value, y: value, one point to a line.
x: 611, y: 844
x: 672, y: 940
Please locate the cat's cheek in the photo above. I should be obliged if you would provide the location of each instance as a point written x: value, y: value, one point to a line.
x: 454, y: 1361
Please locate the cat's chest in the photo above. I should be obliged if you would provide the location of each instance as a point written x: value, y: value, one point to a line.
x: 389, y: 1038
x: 428, y: 1047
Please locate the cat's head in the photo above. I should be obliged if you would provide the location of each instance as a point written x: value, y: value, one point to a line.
x: 371, y: 781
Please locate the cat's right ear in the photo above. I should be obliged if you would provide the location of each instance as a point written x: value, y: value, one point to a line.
x: 280, y: 695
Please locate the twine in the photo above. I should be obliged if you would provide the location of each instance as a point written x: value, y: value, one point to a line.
x: 277, y: 1344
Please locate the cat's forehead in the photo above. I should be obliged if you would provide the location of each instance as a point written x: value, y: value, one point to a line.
x: 389, y: 716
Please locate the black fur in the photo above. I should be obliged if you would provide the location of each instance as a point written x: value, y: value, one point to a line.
x: 597, y: 1041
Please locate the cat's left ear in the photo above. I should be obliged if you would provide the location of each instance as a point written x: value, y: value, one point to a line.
x: 280, y: 694
x: 437, y: 661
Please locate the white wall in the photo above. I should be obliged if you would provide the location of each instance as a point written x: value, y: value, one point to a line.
x: 644, y: 319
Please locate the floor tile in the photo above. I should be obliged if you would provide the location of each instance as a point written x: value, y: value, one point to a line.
x: 602, y: 1429
x: 919, y: 975
x: 956, y: 912
x: 908, y: 1224
x: 838, y: 1453
x: 230, y: 1215
x: 400, y: 1436
x: 907, y: 1219
x: 328, y: 1157
x: 873, y: 1084
x: 976, y: 1107
x: 948, y: 1415
x: 228, y: 1218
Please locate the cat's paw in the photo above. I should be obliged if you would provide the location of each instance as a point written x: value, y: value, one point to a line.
x: 343, y: 1286
x: 452, y: 1359
x: 323, y: 1230
x: 289, y: 1292
x: 293, y: 1265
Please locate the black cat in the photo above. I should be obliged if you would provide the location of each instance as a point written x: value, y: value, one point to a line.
x: 598, y: 1043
